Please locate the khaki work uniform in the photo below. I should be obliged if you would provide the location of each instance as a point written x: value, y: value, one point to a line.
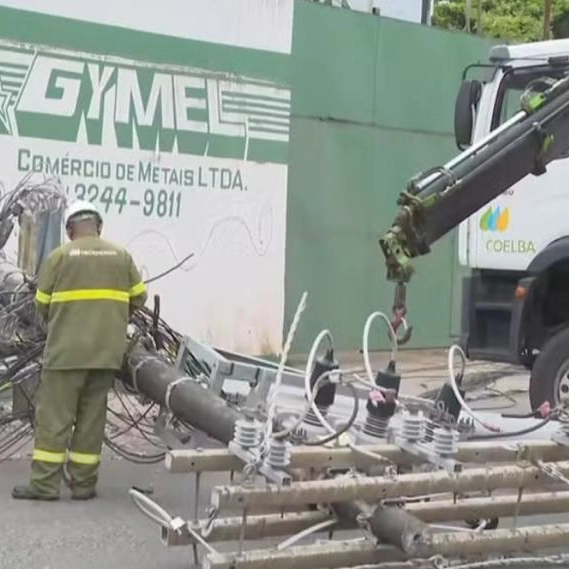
x: 86, y: 291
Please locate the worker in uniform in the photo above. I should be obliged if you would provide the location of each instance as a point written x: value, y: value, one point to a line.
x: 86, y: 291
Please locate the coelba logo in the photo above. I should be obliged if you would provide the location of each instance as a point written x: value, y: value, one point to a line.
x: 495, y: 219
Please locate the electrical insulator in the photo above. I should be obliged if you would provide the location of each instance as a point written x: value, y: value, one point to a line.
x: 431, y: 426
x: 326, y: 394
x: 413, y: 427
x: 379, y: 413
x: 248, y: 433
x: 278, y: 456
x: 445, y: 441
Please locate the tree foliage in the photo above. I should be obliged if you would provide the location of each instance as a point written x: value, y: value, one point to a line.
x: 512, y: 20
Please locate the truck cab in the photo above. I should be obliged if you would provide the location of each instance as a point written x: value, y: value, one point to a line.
x: 516, y: 297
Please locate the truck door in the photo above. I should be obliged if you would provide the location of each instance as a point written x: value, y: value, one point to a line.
x: 508, y: 232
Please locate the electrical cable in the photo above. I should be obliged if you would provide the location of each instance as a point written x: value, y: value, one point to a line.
x: 308, y: 372
x: 132, y: 456
x: 365, y: 342
x: 521, y: 432
x: 134, y: 421
x: 271, y: 399
x: 454, y: 385
x: 129, y: 425
x: 497, y: 432
x: 170, y: 270
x: 336, y: 433
x: 343, y: 429
x: 302, y: 416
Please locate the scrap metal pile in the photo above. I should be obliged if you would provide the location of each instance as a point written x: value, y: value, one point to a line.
x: 340, y: 456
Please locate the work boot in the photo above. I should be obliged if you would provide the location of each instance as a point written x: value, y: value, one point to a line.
x: 26, y: 493
x: 84, y: 495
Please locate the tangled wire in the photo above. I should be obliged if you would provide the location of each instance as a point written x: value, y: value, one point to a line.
x: 131, y: 420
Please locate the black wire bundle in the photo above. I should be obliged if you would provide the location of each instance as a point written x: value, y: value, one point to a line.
x: 22, y: 340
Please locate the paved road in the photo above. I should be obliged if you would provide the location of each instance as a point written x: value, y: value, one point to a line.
x: 108, y: 532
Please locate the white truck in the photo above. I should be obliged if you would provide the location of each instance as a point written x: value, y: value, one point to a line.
x: 508, y: 192
x: 520, y: 240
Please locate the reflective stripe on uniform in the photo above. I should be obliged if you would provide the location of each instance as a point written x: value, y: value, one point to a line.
x: 43, y: 297
x: 90, y: 294
x: 48, y: 456
x: 84, y: 458
x: 137, y: 289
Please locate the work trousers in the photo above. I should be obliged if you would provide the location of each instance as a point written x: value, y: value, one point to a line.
x: 70, y: 426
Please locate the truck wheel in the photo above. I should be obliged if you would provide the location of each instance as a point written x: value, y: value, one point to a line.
x: 549, y: 379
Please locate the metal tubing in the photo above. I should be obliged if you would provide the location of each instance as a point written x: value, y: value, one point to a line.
x: 331, y: 555
x: 221, y: 460
x: 438, y: 511
x: 379, y: 487
x: 476, y: 147
x: 258, y: 527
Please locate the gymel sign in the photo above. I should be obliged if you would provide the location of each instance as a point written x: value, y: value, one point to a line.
x: 179, y: 159
x: 139, y: 107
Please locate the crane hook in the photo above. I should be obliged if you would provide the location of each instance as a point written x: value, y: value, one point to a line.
x: 399, y: 313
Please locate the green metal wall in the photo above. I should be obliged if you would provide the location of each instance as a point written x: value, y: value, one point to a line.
x: 373, y: 103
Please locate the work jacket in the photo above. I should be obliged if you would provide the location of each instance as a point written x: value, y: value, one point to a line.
x: 86, y: 291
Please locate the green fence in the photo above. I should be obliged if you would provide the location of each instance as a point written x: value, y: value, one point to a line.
x: 373, y: 103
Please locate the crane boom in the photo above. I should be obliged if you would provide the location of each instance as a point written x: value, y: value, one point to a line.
x: 438, y: 200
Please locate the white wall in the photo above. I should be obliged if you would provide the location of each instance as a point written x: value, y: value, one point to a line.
x: 257, y: 24
x: 409, y: 10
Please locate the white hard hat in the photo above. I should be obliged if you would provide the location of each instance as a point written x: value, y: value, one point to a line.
x: 79, y: 208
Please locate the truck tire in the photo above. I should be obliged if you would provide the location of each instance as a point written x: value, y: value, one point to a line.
x: 549, y: 379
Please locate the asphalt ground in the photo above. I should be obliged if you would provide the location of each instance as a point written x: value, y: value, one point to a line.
x: 111, y: 532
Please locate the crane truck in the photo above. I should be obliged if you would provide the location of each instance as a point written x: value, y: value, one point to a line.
x: 508, y: 194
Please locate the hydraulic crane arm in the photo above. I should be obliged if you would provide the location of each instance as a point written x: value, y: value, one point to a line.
x: 440, y: 199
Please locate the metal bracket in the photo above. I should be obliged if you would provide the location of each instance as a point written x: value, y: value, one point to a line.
x: 280, y: 477
x: 172, y: 439
x: 259, y: 374
x: 421, y: 450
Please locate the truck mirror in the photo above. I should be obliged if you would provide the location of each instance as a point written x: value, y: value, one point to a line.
x: 464, y: 111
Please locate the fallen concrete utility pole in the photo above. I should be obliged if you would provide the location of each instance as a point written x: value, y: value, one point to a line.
x: 435, y: 511
x: 469, y: 495
x: 207, y: 412
x: 355, y: 500
x: 184, y: 397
